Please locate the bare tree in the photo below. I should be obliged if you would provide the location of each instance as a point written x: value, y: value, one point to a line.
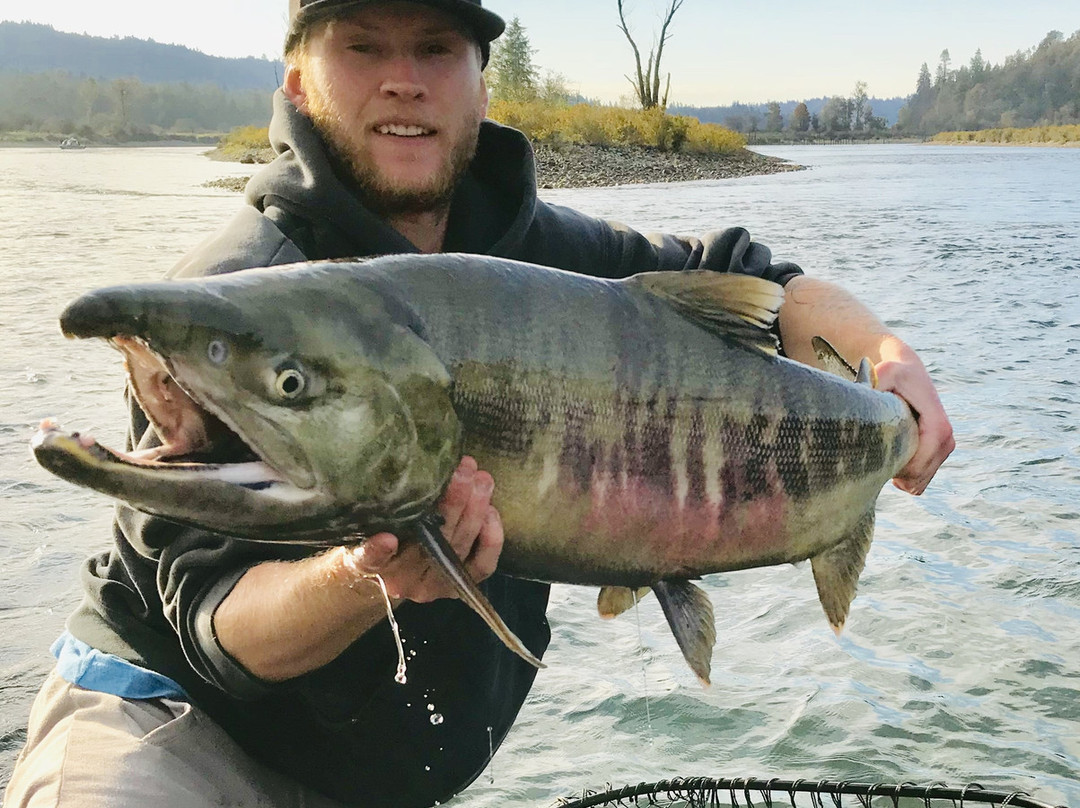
x: 647, y: 84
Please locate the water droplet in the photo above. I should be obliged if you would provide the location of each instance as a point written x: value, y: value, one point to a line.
x: 399, y: 677
x: 436, y: 718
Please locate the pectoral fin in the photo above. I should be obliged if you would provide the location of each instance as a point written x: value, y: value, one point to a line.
x: 837, y: 570
x: 689, y: 612
x: 614, y: 600
x: 830, y: 360
x: 433, y: 541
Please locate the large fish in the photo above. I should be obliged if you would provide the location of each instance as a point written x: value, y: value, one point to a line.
x: 642, y: 432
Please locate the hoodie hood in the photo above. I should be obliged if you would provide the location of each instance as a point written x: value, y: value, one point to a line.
x: 491, y: 212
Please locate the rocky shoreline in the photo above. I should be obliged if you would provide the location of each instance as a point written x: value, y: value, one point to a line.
x: 578, y: 166
x: 587, y: 166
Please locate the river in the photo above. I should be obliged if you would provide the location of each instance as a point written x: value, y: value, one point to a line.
x: 961, y: 660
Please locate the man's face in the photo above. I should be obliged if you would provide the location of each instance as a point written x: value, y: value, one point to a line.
x: 396, y: 90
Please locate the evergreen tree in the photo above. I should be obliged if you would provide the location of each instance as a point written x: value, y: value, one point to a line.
x: 511, y: 75
x: 942, y: 74
x: 977, y: 66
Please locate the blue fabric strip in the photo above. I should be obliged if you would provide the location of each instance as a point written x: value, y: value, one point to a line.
x: 91, y: 669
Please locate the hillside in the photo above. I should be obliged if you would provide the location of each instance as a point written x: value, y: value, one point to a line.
x: 1037, y: 87
x: 32, y: 48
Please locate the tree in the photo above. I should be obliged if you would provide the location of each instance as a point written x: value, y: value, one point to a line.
x: 646, y: 83
x: 800, y: 118
x: 911, y: 116
x: 511, y: 74
x: 978, y: 65
x: 836, y: 114
x: 942, y: 74
x: 774, y: 121
x: 859, y: 107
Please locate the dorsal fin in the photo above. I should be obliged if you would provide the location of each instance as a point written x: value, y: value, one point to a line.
x: 739, y: 307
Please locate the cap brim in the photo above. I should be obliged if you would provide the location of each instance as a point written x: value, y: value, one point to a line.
x: 487, y: 25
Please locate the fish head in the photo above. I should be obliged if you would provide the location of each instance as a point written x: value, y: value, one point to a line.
x: 310, y: 407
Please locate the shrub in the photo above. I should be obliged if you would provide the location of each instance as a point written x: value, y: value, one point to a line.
x: 554, y: 123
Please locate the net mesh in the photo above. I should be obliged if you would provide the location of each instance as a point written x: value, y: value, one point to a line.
x: 708, y: 792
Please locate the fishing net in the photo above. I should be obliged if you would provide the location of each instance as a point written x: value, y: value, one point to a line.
x: 708, y: 792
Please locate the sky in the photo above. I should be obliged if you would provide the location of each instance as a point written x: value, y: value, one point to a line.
x: 719, y: 52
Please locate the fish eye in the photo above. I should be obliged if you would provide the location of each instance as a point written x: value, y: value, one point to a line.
x: 217, y: 351
x: 290, y: 383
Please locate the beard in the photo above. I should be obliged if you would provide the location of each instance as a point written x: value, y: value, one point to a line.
x: 382, y: 194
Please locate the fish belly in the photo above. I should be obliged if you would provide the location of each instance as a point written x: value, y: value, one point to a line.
x: 600, y: 485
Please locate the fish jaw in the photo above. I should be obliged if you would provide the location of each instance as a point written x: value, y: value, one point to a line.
x: 246, y: 497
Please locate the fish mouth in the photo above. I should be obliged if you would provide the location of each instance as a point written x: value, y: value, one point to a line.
x: 194, y: 440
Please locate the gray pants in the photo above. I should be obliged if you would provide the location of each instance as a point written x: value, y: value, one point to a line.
x: 92, y: 750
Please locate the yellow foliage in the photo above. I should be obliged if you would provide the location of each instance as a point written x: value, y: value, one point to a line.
x: 244, y: 139
x: 1056, y: 135
x: 614, y: 126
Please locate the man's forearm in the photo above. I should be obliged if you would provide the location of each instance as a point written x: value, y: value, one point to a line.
x: 817, y: 308
x: 284, y: 619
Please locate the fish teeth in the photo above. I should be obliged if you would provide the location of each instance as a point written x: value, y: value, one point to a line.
x: 402, y: 130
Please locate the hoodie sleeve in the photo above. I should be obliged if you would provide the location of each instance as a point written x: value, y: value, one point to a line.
x: 569, y: 240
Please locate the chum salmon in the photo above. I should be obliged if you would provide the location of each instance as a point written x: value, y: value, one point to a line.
x: 642, y: 432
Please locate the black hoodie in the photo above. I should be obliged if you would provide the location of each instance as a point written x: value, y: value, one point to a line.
x: 348, y: 729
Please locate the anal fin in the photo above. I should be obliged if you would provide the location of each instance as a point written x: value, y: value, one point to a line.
x: 447, y: 561
x: 614, y: 600
x: 837, y: 570
x: 689, y: 612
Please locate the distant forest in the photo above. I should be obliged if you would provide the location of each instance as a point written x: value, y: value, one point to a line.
x: 1037, y: 87
x: 125, y: 89
x: 783, y: 115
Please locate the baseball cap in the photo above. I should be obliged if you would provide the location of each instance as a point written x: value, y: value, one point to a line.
x: 486, y: 25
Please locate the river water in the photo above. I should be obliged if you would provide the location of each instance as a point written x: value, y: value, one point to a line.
x: 961, y: 660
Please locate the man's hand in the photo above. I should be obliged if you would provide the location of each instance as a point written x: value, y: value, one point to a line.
x: 286, y: 618
x: 901, y: 372
x: 471, y: 525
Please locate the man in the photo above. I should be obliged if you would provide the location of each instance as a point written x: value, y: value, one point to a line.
x: 203, y: 671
